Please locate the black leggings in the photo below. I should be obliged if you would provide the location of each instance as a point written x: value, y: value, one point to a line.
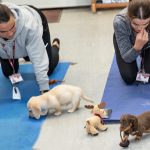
x: 129, y: 71
x: 53, y: 52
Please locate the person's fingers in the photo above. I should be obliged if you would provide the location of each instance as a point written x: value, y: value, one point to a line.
x: 141, y: 39
x: 145, y: 34
x: 140, y: 34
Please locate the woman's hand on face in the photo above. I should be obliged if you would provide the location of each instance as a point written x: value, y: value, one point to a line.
x: 141, y: 40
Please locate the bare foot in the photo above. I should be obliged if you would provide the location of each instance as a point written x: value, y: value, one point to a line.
x: 57, y: 113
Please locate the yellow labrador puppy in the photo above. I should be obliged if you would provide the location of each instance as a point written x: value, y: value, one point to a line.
x: 54, y: 99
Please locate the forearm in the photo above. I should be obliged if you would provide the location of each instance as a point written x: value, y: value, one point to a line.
x: 130, y: 55
x: 124, y: 39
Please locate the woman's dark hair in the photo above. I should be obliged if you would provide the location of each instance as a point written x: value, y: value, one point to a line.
x: 5, y: 13
x: 139, y: 9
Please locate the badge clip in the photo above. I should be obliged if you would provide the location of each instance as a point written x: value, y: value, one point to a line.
x: 16, y: 93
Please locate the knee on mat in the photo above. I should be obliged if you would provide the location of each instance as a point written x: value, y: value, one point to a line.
x: 7, y: 74
x: 129, y: 80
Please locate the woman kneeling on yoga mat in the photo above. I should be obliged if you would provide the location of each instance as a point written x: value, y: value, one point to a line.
x: 24, y: 33
x: 132, y: 39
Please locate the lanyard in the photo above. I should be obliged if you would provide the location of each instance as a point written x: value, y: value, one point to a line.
x: 142, y: 62
x: 11, y: 61
x: 142, y: 66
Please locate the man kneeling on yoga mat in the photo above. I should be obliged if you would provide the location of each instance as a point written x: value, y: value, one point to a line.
x: 24, y: 33
x: 132, y: 39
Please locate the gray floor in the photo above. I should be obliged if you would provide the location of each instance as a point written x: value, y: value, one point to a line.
x: 86, y: 38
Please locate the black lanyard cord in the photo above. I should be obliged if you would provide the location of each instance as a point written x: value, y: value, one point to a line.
x: 11, y: 61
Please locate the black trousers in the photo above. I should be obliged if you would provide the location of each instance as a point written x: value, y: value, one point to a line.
x: 128, y: 71
x: 53, y: 52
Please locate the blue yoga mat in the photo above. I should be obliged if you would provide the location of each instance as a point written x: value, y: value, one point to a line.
x: 122, y: 98
x: 17, y: 131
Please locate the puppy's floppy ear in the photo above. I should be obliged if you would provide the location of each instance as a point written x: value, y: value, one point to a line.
x: 37, y: 111
x: 101, y: 105
x: 134, y: 122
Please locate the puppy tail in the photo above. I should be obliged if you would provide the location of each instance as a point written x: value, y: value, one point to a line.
x: 87, y: 98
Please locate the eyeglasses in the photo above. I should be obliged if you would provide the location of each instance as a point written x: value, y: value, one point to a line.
x: 10, y: 30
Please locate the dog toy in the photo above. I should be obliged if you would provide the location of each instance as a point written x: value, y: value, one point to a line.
x: 95, y: 123
x: 124, y: 140
x: 55, y: 81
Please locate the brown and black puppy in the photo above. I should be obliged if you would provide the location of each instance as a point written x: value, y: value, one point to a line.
x: 134, y: 125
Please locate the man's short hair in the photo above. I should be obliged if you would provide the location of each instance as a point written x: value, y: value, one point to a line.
x: 5, y: 13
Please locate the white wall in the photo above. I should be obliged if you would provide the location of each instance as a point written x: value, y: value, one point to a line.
x: 52, y: 3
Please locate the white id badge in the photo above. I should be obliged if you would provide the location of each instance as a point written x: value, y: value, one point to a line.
x: 141, y: 77
x: 16, y: 93
x: 15, y: 78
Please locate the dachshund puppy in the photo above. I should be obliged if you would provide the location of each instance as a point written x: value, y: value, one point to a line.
x: 61, y: 95
x: 134, y: 125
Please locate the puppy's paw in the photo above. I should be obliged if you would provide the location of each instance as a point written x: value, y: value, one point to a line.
x: 57, y: 113
x: 37, y: 117
x: 137, y: 138
x: 71, y: 110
